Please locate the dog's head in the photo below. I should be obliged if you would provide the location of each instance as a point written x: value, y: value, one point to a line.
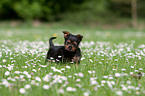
x: 71, y: 42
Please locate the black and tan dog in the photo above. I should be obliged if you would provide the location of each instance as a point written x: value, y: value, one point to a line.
x: 70, y: 52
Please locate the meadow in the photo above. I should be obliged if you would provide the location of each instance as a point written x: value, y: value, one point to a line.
x: 109, y: 59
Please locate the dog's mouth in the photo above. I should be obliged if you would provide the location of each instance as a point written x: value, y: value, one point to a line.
x: 70, y: 48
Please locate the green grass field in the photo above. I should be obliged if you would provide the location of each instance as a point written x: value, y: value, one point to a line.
x: 109, y: 58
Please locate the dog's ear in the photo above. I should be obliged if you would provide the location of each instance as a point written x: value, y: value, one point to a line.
x: 79, y: 37
x: 66, y: 34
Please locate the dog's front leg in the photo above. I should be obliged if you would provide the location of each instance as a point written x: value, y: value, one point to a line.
x: 77, y: 57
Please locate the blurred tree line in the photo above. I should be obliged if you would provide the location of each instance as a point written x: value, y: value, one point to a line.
x: 55, y: 10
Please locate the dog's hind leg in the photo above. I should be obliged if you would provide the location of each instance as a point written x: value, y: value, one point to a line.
x: 47, y: 57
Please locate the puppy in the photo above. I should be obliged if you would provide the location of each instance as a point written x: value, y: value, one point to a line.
x: 70, y: 52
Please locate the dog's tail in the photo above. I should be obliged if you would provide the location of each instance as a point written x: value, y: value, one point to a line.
x: 50, y: 41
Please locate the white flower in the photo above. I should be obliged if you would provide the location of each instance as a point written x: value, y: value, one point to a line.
x: 110, y: 77
x: 27, y: 86
x: 70, y: 89
x: 62, y: 69
x: 16, y: 77
x: 93, y: 78
x: 93, y: 82
x: 60, y: 81
x: 86, y: 94
x: 51, y: 58
x: 37, y: 84
x: 105, y: 76
x: 10, y: 67
x: 45, y: 87
x: 90, y: 72
x: 128, y: 82
x: 109, y: 84
x: 100, y: 62
x: 22, y: 76
x: 103, y: 81
x: 119, y: 93
x: 32, y: 82
x: 61, y: 91
x: 137, y: 88
x: 4, y: 60
x: 81, y: 74
x: 59, y: 56
x: 37, y: 79
x: 82, y: 58
x: 43, y: 66
x: 56, y: 70
x: 50, y: 73
x: 17, y: 72
x: 131, y: 87
x: 76, y: 74
x: 93, y: 71
x: 112, y: 82
x: 91, y: 60
x: 136, y: 70
x: 131, y: 73
x: 25, y: 72
x: 117, y: 74
x: 22, y: 90
x: 5, y: 82
x: 68, y: 67
x: 78, y: 80
x: 69, y: 76
x: 124, y: 88
x: 53, y: 68
x: 102, y: 84
x: 28, y: 75
x: 7, y: 73
x: 79, y: 85
x: 59, y: 71
x: 140, y: 68
x: 46, y: 79
x: 63, y: 78
x: 34, y: 70
x: 123, y: 69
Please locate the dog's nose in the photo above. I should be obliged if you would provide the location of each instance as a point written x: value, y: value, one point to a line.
x: 70, y: 47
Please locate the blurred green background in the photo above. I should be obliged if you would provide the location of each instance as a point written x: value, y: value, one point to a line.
x: 106, y: 13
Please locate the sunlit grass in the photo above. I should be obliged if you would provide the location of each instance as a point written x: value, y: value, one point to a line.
x: 109, y: 57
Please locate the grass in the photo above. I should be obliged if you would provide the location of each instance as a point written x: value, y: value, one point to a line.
x: 109, y: 57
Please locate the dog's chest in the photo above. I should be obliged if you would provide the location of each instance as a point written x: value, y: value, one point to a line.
x: 68, y: 55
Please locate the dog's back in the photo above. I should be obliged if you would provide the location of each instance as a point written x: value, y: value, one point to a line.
x: 54, y: 51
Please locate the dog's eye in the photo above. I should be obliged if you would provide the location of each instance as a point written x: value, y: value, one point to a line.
x: 74, y: 45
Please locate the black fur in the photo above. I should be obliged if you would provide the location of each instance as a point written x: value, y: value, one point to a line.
x: 63, y: 55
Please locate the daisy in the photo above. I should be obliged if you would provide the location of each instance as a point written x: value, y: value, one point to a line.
x: 120, y: 93
x: 27, y: 86
x: 4, y: 60
x: 60, y: 91
x: 86, y: 93
x: 22, y: 90
x: 81, y: 74
x: 37, y: 79
x: 117, y: 75
x: 68, y: 67
x: 46, y: 87
x: 7, y: 73
x: 71, y: 89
